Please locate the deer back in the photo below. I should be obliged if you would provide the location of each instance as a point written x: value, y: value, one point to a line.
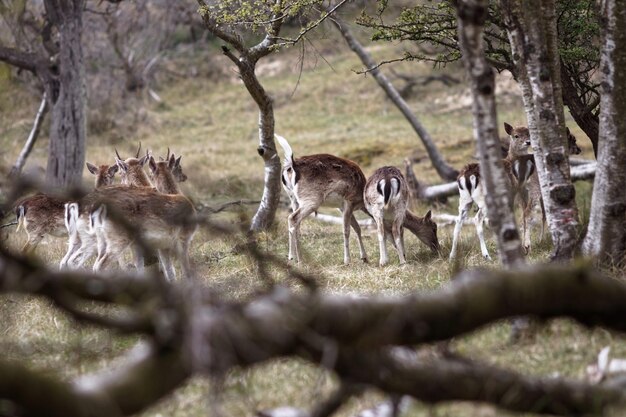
x: 388, y: 188
x: 319, y: 176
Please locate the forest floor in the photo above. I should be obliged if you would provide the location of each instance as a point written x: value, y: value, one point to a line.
x: 327, y: 108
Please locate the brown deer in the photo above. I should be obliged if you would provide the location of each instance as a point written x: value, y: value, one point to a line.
x: 83, y: 242
x: 166, y: 173
x: 518, y: 169
x: 313, y: 180
x: 41, y: 215
x: 161, y: 219
x: 173, y: 166
x: 386, y: 197
x: 114, y: 239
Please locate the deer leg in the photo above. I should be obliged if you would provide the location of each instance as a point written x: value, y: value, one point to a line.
x: 396, y: 231
x: 465, y: 204
x: 347, y: 214
x: 293, y: 223
x: 357, y: 229
x: 381, y: 234
x: 165, y: 256
x: 138, y: 258
x: 73, y: 245
x: 185, y: 261
x: 478, y: 222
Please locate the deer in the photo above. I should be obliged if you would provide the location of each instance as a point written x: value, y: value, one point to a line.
x: 161, y: 220
x: 166, y: 173
x: 83, y: 242
x: 41, y: 215
x: 521, y: 171
x: 117, y: 238
x: 386, y: 196
x: 313, y: 180
x: 518, y: 168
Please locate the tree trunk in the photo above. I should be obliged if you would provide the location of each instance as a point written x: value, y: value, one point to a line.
x: 444, y: 170
x: 471, y: 18
x: 66, y: 155
x: 264, y: 217
x: 532, y: 34
x: 606, y: 234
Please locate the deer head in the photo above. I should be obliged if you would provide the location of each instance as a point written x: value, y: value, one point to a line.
x: 105, y: 174
x: 519, y: 139
x: 131, y: 169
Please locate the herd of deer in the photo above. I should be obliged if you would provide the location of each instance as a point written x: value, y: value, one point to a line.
x: 144, y: 212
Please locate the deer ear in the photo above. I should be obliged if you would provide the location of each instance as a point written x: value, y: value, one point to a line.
x: 92, y: 168
x: 178, y: 160
x: 172, y: 161
x: 143, y: 160
x: 113, y: 169
x: 152, y: 164
x: 123, y: 166
x: 428, y: 215
x: 508, y: 128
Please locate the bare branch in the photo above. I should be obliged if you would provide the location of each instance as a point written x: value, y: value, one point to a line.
x: 32, y: 137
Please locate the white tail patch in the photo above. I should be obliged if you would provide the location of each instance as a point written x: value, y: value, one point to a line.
x: 97, y: 217
x: 72, y: 212
x: 473, y: 181
x: 286, y: 148
x: 21, y: 212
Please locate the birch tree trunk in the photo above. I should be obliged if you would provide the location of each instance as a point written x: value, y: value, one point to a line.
x: 471, y: 18
x: 246, y: 59
x: 531, y: 26
x: 444, y: 170
x: 606, y: 234
x: 66, y: 152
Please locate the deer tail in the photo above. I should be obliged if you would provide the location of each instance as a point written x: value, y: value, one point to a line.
x: 72, y: 212
x: 20, y: 213
x: 286, y: 148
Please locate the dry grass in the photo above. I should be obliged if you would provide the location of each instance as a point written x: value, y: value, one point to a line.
x: 213, y: 125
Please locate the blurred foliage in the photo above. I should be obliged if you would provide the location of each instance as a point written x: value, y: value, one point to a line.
x: 258, y: 15
x: 431, y: 26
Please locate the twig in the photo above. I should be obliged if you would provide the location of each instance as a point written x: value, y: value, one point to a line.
x: 32, y: 137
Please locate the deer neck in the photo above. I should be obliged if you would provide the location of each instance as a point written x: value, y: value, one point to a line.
x: 165, y: 183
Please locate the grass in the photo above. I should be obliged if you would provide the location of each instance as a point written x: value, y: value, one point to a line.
x: 329, y: 109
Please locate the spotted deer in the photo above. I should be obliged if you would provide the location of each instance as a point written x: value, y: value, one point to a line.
x: 313, y: 180
x: 518, y: 168
x: 386, y: 197
x: 163, y: 221
x: 116, y: 238
x: 83, y: 241
x: 41, y: 215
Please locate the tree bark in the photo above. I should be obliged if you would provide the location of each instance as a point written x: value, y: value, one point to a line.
x: 66, y: 152
x: 246, y: 63
x: 471, y: 18
x: 531, y: 26
x: 606, y: 233
x: 264, y: 217
x: 444, y: 170
x: 32, y: 137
